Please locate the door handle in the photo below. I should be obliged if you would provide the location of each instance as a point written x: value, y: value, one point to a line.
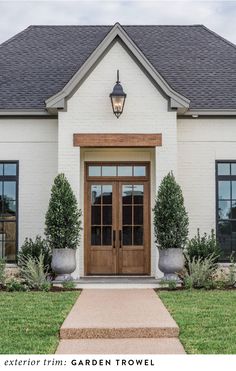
x: 120, y: 238
x: 114, y: 239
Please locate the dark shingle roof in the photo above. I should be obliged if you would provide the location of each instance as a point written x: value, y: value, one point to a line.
x: 38, y: 62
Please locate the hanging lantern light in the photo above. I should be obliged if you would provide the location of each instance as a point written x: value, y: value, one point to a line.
x: 118, y: 98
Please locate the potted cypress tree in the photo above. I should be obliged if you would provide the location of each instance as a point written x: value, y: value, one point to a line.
x: 170, y: 227
x: 63, y: 226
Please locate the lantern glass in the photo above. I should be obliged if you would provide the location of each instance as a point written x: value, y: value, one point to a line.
x: 118, y: 104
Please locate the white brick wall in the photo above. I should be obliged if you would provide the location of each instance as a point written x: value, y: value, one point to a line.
x: 89, y: 111
x: 200, y: 143
x: 34, y: 143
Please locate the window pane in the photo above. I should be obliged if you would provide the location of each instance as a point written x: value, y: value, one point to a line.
x: 233, y: 210
x: 107, y: 194
x: 108, y: 170
x: 9, y: 190
x: 127, y: 215
x: 96, y: 236
x: 139, y: 170
x: 10, y: 208
x: 224, y: 209
x: 124, y: 170
x: 138, y: 235
x: 223, y: 169
x: 9, y: 169
x: 106, y: 236
x: 234, y: 190
x: 224, y: 228
x: 9, y: 231
x: 233, y: 169
x: 1, y: 169
x: 127, y: 194
x: 138, y: 194
x: 224, y: 190
x: 10, y: 250
x: 127, y: 236
x: 96, y: 215
x: 94, y: 170
x: 107, y: 215
x: 96, y: 194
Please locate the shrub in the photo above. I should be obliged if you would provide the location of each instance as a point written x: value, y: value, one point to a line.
x: 33, y: 272
x: 63, y: 222
x: 2, y: 271
x: 170, y: 216
x: 69, y: 285
x: 203, y: 246
x: 15, y: 285
x: 200, y: 273
x: 34, y: 248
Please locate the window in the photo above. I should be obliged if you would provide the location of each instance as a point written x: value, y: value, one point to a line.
x: 8, y: 210
x: 124, y: 170
x: 226, y: 207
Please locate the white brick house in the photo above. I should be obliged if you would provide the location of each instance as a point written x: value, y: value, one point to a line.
x: 55, y: 83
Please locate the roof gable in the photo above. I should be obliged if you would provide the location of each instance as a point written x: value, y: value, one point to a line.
x: 58, y: 100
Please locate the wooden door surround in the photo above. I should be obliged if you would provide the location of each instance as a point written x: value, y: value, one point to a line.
x: 117, y: 218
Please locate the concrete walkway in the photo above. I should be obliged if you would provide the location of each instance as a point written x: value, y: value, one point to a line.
x: 119, y: 322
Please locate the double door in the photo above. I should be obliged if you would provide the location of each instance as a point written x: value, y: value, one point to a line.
x: 117, y: 228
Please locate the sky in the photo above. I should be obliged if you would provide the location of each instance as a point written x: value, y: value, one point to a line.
x: 16, y: 15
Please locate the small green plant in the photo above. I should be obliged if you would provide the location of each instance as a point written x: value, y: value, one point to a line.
x: 201, y: 247
x: 199, y: 273
x: 172, y: 284
x: 2, y: 271
x: 15, y: 285
x: 69, y: 285
x: 33, y: 272
x: 63, y: 218
x: 170, y: 216
x: 33, y: 248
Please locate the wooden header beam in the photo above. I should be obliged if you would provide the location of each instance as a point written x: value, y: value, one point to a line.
x: 117, y: 140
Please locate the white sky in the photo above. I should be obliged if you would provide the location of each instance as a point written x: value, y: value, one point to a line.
x: 15, y: 15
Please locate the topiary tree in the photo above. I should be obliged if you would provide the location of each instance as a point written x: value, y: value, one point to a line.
x: 170, y: 216
x: 63, y: 218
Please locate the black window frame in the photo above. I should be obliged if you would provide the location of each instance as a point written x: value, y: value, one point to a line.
x: 217, y: 179
x: 11, y: 178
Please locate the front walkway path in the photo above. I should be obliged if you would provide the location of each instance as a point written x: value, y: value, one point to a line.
x: 119, y: 322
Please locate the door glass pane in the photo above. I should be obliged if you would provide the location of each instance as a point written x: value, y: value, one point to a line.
x: 107, y: 215
x: 10, y: 231
x: 127, y: 236
x: 108, y: 170
x: 1, y: 169
x: 138, y: 215
x: 96, y: 215
x: 96, y: 194
x: 138, y: 194
x: 138, y: 235
x: 94, y: 170
x: 106, y: 236
x: 224, y: 209
x: 223, y: 169
x: 127, y: 194
x: 224, y: 190
x: 9, y: 169
x: 10, y: 250
x: 125, y: 170
x: 96, y: 236
x: 107, y: 194
x: 127, y: 215
x: 233, y: 210
x: 139, y: 170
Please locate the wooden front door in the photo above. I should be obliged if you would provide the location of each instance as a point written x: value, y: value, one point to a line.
x: 117, y: 225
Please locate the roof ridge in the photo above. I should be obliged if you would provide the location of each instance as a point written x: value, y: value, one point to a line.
x: 219, y: 36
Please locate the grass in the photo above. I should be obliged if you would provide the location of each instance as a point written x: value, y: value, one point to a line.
x: 30, y: 321
x: 207, y: 319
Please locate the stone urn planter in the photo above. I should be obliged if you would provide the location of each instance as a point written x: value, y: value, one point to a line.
x: 63, y: 263
x: 171, y: 261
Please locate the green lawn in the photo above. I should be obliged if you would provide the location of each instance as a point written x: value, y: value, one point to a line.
x: 207, y: 319
x: 30, y: 321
